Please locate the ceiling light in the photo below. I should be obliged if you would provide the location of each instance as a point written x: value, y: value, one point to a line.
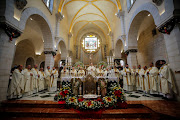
x: 115, y: 13
x: 31, y: 19
x: 149, y: 15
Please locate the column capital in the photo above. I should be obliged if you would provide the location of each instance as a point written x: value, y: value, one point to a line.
x: 130, y: 50
x: 120, y: 13
x: 59, y: 16
x: 11, y: 31
x: 50, y: 52
x: 70, y: 35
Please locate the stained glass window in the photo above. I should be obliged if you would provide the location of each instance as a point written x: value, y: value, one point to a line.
x: 49, y: 4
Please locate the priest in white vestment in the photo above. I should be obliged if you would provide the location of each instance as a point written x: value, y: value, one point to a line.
x: 64, y: 72
x: 28, y: 79
x: 48, y: 77
x: 54, y: 77
x: 116, y: 72
x: 41, y: 79
x: 81, y: 72
x: 153, y: 77
x: 146, y: 80
x: 91, y: 70
x: 166, y: 80
x: 35, y: 78
x: 127, y: 85
x: 100, y: 72
x: 73, y: 72
x: 139, y: 78
x: 17, y: 84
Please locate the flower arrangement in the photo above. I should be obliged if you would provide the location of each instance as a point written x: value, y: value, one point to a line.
x: 109, y: 101
x: 102, y: 64
x: 90, y: 104
x: 64, y: 92
x: 79, y: 64
x: 72, y: 101
x: 117, y: 91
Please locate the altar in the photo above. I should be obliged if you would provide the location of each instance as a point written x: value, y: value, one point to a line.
x: 89, y: 86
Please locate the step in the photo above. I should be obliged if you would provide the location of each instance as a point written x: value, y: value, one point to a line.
x: 69, y: 113
x: 44, y: 104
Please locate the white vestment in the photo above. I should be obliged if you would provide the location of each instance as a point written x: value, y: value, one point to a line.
x: 100, y: 72
x: 47, y: 78
x: 64, y: 73
x: 91, y: 70
x: 16, y: 85
x: 81, y: 73
x: 147, y: 81
x: 138, y: 79
x: 127, y: 85
x: 35, y: 79
x: 133, y: 77
x: 142, y: 79
x: 41, y: 80
x: 153, y: 77
x: 28, y: 79
x: 73, y: 73
x: 166, y: 80
x: 54, y: 77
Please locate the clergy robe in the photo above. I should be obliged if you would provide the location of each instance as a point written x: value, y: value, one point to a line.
x: 81, y: 73
x: 138, y: 80
x: 133, y: 77
x: 91, y: 70
x: 127, y: 85
x: 100, y: 72
x: 17, y: 84
x: 53, y: 83
x: 35, y: 78
x: 73, y: 73
x: 116, y: 72
x: 153, y: 77
x: 41, y: 80
x: 28, y: 79
x: 166, y: 80
x: 142, y: 79
x: 147, y: 81
x: 47, y: 78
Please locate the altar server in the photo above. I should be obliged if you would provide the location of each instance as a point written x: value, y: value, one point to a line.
x: 17, y: 83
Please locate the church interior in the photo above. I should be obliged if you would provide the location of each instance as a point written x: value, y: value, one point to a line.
x: 90, y: 59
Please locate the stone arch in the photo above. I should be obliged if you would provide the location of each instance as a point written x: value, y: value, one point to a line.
x: 135, y: 21
x: 30, y: 61
x: 61, y: 47
x: 42, y: 21
x: 118, y: 48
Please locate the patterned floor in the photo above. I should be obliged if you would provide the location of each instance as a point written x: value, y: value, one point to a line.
x: 130, y: 96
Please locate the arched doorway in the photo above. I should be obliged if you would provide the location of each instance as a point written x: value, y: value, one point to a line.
x: 42, y: 65
x: 148, y: 41
x: 118, y: 49
x: 30, y: 61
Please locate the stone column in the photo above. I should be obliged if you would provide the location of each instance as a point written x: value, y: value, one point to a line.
x: 131, y: 58
x: 7, y: 51
x: 120, y: 15
x: 59, y: 17
x: 69, y: 40
x: 112, y: 39
x: 49, y: 59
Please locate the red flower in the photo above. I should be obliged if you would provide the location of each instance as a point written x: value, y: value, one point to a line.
x: 66, y: 91
x: 89, y: 103
x: 62, y: 93
x: 109, y: 99
x: 100, y: 100
x: 118, y: 93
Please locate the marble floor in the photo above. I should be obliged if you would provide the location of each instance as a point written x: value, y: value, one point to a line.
x: 130, y: 96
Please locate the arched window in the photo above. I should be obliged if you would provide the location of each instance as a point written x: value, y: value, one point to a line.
x: 49, y: 4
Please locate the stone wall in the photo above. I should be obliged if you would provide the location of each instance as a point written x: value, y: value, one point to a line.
x: 151, y: 48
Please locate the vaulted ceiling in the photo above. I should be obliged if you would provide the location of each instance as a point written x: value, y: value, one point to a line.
x: 85, y: 14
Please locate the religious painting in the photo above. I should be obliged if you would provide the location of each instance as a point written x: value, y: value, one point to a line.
x: 91, y: 43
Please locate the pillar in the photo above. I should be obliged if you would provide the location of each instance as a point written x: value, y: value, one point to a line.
x: 7, y: 51
x: 131, y: 58
x: 49, y: 59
